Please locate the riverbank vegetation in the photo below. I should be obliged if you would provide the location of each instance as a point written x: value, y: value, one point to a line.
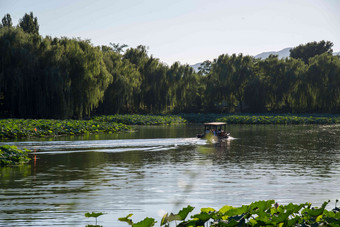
x: 260, y: 213
x: 21, y: 128
x: 68, y: 78
x: 264, y: 118
x: 136, y: 119
x: 11, y: 155
x: 25, y: 128
x: 280, y: 119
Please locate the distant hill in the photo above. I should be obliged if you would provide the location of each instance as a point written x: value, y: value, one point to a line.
x: 195, y: 66
x: 281, y: 54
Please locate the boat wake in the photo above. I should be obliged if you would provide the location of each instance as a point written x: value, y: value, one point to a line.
x: 108, y: 146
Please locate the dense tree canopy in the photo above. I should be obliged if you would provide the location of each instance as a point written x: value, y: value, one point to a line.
x: 55, y: 78
x: 29, y: 23
x: 70, y: 78
x: 309, y: 50
x: 6, y: 21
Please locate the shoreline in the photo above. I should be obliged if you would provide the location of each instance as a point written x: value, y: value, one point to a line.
x: 108, y: 124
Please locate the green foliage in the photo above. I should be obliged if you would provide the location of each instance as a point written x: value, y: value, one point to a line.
x: 260, y: 213
x: 201, y: 118
x: 126, y: 219
x: 118, y: 47
x: 204, y: 68
x: 49, y: 78
x: 147, y: 222
x: 180, y: 216
x: 11, y: 155
x: 29, y: 23
x: 263, y: 118
x: 309, y: 50
x: 134, y: 119
x: 280, y: 119
x: 62, y: 78
x: 23, y: 128
x: 120, y: 96
x: 20, y: 128
x: 6, y: 21
x: 93, y: 215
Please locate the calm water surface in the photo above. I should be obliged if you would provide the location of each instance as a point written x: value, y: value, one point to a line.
x: 159, y: 169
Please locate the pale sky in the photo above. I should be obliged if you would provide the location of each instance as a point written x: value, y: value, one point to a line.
x: 189, y: 31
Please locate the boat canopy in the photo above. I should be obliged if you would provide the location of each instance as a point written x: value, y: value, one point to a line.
x: 215, y: 124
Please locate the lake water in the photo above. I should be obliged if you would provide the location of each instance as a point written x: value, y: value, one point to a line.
x: 165, y: 168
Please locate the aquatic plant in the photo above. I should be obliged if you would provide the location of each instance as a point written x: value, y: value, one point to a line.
x: 137, y: 119
x: 11, y: 155
x: 260, y: 213
x: 280, y: 119
x: 201, y: 118
x: 146, y: 222
x: 22, y: 128
x: 263, y: 118
x: 93, y: 215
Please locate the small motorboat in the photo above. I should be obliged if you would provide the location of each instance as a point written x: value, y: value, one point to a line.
x: 215, y: 129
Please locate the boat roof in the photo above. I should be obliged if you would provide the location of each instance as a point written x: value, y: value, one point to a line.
x: 215, y: 123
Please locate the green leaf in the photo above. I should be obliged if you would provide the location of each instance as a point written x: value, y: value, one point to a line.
x: 261, y: 205
x: 203, y: 216
x: 225, y: 209
x: 317, y: 212
x: 126, y: 219
x: 93, y: 214
x: 147, y: 222
x: 293, y: 221
x: 164, y: 219
x: 207, y: 210
x: 185, y: 211
x: 236, y: 211
x: 173, y: 217
x: 282, y: 217
x: 181, y: 216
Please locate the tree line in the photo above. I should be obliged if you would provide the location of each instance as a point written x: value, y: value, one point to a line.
x: 45, y: 77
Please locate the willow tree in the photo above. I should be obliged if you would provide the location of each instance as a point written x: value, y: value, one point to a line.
x: 185, y: 93
x: 323, y: 78
x: 232, y: 74
x: 255, y: 91
x: 122, y: 93
x: 153, y: 87
x: 138, y: 57
x: 49, y: 78
x: 294, y: 71
x: 241, y: 72
x: 218, y: 90
x: 88, y: 75
x: 18, y: 70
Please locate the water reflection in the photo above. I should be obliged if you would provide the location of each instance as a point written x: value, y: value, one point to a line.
x: 118, y: 175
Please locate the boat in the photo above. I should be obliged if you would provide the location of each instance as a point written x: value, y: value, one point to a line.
x: 215, y: 129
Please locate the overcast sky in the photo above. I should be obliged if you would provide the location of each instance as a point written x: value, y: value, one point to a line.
x: 189, y: 31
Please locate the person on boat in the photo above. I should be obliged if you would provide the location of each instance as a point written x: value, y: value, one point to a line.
x: 222, y: 133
